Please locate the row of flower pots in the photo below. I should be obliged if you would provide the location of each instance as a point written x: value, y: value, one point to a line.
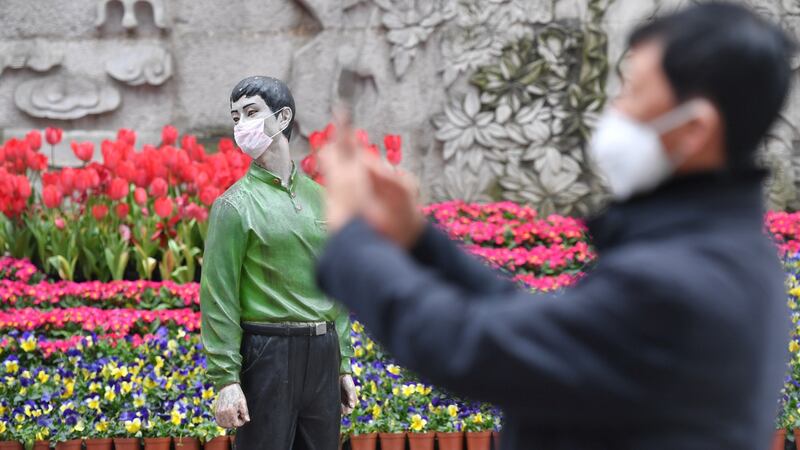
x: 481, y: 440
x: 218, y: 443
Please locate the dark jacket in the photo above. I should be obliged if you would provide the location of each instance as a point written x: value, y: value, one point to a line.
x: 676, y: 340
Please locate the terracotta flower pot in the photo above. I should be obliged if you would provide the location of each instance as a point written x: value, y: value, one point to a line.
x: 160, y: 443
x: 184, y: 443
x: 421, y: 441
x: 74, y: 444
x: 496, y: 439
x: 363, y: 441
x: 778, y: 440
x: 127, y: 444
x: 393, y: 441
x: 10, y: 445
x: 450, y: 441
x: 479, y: 440
x: 218, y: 443
x: 99, y: 444
x: 41, y: 445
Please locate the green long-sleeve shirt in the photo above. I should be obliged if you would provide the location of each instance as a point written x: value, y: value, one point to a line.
x: 258, y: 266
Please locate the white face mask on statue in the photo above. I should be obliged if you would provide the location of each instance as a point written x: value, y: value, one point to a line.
x: 630, y: 154
x: 250, y: 136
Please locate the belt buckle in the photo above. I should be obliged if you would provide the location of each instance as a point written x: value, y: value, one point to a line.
x: 320, y: 329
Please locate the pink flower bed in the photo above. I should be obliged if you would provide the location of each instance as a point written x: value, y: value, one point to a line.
x: 107, y: 321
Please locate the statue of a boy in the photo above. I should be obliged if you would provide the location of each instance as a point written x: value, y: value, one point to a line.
x: 278, y: 349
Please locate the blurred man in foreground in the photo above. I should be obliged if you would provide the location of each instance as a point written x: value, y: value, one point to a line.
x: 677, y: 339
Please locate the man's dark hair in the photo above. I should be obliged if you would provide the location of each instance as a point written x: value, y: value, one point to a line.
x: 729, y: 55
x: 274, y: 92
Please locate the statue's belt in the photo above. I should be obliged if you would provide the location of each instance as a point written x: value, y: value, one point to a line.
x: 288, y: 328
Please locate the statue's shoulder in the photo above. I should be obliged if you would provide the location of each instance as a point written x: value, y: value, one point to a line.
x: 235, y: 195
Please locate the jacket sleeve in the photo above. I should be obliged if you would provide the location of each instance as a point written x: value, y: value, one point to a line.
x: 437, y: 251
x: 345, y: 344
x: 584, y: 355
x: 219, y: 294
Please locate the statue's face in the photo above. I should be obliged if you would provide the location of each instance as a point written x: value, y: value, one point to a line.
x: 255, y: 108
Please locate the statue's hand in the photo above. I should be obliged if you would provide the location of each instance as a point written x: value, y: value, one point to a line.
x: 232, y: 407
x: 349, y: 396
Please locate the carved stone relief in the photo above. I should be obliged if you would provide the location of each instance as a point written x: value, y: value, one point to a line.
x: 142, y: 65
x: 65, y: 97
x: 34, y: 55
x: 129, y: 20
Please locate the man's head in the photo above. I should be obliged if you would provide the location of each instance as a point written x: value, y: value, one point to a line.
x: 733, y: 64
x: 264, y: 97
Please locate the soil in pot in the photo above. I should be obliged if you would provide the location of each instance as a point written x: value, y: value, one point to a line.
x: 74, y: 444
x: 99, y: 444
x: 127, y: 444
x: 10, y: 445
x: 450, y: 441
x: 421, y: 441
x: 363, y: 441
x: 161, y: 443
x: 184, y: 443
x: 218, y: 443
x: 393, y: 441
x: 481, y: 440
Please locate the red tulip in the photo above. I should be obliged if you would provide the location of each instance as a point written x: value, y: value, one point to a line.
x: 309, y: 164
x: 50, y: 179
x: 317, y: 140
x: 118, y: 189
x: 53, y: 135
x: 127, y: 136
x: 111, y: 154
x: 34, y: 139
x: 188, y: 142
x: 208, y: 195
x: 99, y: 211
x: 169, y: 135
x: 393, y: 144
x: 126, y: 170
x: 163, y: 207
x: 226, y: 145
x: 158, y: 187
x: 122, y: 210
x: 68, y: 180
x: 84, y: 150
x: 52, y: 196
x: 83, y: 180
x: 140, y: 196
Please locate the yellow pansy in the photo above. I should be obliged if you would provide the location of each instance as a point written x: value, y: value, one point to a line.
x: 418, y: 423
x: 376, y: 412
x: 69, y: 388
x: 12, y: 366
x: 208, y: 394
x: 133, y: 426
x: 101, y: 426
x: 176, y: 417
x: 357, y: 327
x: 94, y: 387
x: 138, y: 400
x: 357, y: 369
x: 452, y: 411
x: 408, y: 390
x: 373, y: 387
x: 110, y: 394
x: 395, y: 391
x: 43, y: 377
x: 28, y: 345
x: 794, y: 346
x: 421, y: 389
x: 3, y: 427
x: 477, y: 418
x: 94, y: 403
x: 358, y: 352
x: 392, y: 369
x: 126, y: 387
x: 79, y: 427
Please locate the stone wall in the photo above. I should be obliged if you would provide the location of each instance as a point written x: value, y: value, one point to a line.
x: 493, y: 98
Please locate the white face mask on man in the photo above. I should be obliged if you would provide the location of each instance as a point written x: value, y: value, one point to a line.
x: 630, y: 154
x: 251, y: 138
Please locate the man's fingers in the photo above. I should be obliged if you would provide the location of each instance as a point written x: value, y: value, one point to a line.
x: 243, y: 412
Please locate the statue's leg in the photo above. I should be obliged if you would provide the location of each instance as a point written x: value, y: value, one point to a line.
x: 319, y: 419
x: 268, y: 382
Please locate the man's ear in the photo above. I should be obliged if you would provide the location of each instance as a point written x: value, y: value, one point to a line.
x: 285, y: 117
x: 705, y: 129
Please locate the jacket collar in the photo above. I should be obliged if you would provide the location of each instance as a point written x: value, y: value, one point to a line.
x: 683, y: 203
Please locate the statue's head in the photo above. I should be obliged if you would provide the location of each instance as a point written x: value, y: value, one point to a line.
x: 264, y: 97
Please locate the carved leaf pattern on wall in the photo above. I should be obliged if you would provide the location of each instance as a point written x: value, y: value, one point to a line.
x: 523, y: 124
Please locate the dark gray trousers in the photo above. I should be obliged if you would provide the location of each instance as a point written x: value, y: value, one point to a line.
x: 291, y: 384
